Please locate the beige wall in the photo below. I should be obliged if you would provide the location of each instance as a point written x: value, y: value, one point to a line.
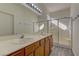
x: 60, y: 13
x: 75, y: 41
x: 23, y: 17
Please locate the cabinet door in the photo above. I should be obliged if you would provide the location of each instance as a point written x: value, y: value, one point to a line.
x: 36, y: 45
x: 17, y: 53
x: 37, y: 52
x: 47, y: 47
x: 42, y: 47
x: 40, y: 50
x: 29, y: 49
x: 51, y: 42
x: 31, y: 54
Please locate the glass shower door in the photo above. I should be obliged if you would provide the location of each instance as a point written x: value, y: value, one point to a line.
x: 65, y: 33
x: 65, y: 37
x: 61, y: 31
x: 53, y: 28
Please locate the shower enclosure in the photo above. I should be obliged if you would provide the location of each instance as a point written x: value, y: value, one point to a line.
x: 65, y: 32
x: 60, y: 29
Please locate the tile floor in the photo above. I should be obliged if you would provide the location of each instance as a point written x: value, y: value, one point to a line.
x: 60, y: 51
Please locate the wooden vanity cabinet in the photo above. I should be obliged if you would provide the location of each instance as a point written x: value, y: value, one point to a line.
x: 36, y: 44
x: 40, y: 50
x: 29, y: 50
x: 51, y: 42
x: 18, y: 53
x: 31, y: 54
x: 47, y: 47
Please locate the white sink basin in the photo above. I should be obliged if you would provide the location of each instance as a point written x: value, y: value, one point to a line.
x: 26, y: 39
x: 22, y: 41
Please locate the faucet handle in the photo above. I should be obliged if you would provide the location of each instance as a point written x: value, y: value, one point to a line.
x: 22, y: 36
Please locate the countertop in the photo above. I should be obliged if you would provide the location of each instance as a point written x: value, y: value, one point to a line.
x: 9, y: 44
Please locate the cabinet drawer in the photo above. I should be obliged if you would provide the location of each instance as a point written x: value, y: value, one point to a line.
x: 17, y: 53
x: 29, y: 49
x: 47, y: 48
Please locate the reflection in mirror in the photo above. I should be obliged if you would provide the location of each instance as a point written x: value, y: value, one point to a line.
x: 6, y: 24
x: 61, y: 25
x: 41, y: 27
x: 37, y: 27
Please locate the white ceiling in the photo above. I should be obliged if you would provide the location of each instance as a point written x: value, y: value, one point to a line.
x: 53, y: 7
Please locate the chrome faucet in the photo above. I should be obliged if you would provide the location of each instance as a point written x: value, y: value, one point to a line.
x: 21, y: 36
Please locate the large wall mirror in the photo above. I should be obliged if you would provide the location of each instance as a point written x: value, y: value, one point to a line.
x: 6, y: 24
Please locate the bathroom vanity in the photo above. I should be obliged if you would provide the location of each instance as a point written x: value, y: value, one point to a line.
x: 36, y: 46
